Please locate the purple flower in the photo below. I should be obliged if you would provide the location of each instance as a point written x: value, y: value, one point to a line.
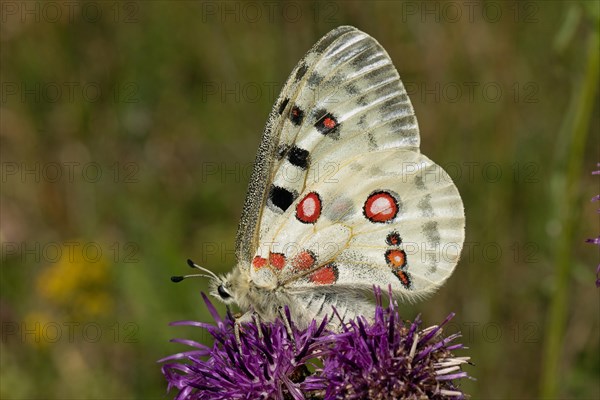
x: 380, y: 359
x: 390, y: 359
x: 596, y: 240
x: 268, y: 365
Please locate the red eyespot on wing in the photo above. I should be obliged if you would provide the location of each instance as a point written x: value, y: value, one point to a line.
x: 277, y: 260
x: 296, y: 115
x: 258, y: 262
x: 327, y: 275
x: 395, y: 258
x: 329, y: 123
x: 308, y: 209
x: 393, y: 239
x: 380, y: 207
x: 304, y: 260
x: 404, y: 278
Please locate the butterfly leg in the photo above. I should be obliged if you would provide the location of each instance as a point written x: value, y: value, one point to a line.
x: 288, y: 327
x: 256, y: 318
x: 247, y: 317
x: 244, y: 318
x: 236, y: 332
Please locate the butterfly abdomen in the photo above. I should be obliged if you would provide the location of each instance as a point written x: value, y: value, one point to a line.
x: 320, y: 303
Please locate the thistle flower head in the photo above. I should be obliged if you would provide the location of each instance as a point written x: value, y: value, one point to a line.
x: 381, y: 358
x: 390, y: 359
x: 268, y: 364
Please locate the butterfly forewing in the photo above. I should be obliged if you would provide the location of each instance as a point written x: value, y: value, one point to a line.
x: 347, y: 75
x: 278, y: 133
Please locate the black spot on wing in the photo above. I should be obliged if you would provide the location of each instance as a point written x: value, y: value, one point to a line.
x: 301, y: 71
x: 281, y: 197
x: 296, y: 115
x: 298, y: 157
x: 327, y: 124
x: 284, y: 103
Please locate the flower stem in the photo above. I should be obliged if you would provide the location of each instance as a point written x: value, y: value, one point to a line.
x: 576, y: 128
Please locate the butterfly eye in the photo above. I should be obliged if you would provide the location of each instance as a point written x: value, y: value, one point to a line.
x: 223, y: 293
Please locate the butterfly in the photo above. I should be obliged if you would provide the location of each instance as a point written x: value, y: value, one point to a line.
x: 341, y: 199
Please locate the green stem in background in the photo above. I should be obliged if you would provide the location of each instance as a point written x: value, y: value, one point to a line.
x: 576, y: 128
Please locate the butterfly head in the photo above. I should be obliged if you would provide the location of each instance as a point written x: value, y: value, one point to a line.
x: 222, y: 287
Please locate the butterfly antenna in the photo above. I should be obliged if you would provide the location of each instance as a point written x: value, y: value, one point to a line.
x: 192, y: 264
x: 182, y: 277
x: 208, y: 271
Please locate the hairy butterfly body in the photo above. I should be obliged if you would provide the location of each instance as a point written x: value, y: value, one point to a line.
x: 341, y: 198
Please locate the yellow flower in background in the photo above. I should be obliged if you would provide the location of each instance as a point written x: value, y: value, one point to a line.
x: 79, y: 282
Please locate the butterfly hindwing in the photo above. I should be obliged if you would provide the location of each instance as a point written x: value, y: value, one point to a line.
x: 391, y: 217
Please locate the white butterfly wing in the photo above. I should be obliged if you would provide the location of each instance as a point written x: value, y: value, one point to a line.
x: 344, y: 98
x: 340, y: 197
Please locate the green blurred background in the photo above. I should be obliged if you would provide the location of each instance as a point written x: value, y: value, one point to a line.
x: 129, y: 129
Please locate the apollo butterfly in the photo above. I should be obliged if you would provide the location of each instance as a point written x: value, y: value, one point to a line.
x: 364, y: 206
